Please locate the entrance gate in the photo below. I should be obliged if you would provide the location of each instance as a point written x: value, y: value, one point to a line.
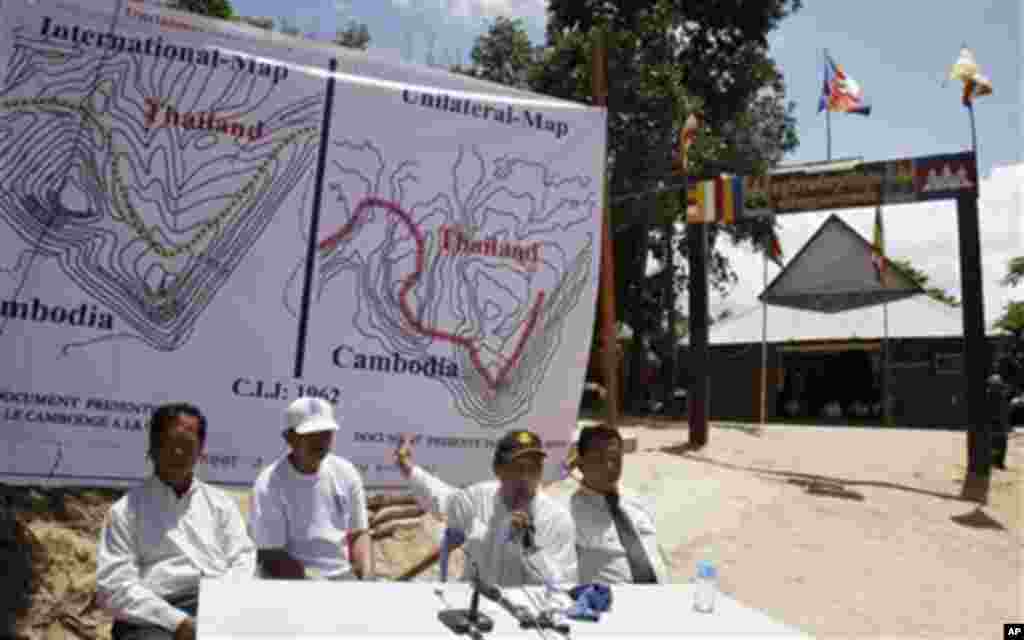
x: 856, y: 184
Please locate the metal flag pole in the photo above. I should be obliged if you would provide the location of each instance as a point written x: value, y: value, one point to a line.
x: 882, y: 268
x: 887, y: 412
x: 828, y: 112
x: 764, y: 341
x: 974, y: 131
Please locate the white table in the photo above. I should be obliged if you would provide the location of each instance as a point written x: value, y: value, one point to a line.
x: 271, y: 609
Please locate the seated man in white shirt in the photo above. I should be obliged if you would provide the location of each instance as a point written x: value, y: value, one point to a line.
x: 514, y: 533
x: 309, y: 514
x: 615, y: 534
x: 160, y: 538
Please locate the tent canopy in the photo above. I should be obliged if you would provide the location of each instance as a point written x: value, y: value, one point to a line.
x: 834, y: 272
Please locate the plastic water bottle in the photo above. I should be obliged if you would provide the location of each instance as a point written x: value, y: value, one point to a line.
x: 706, y: 587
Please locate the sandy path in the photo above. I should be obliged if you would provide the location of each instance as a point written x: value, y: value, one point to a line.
x: 840, y: 532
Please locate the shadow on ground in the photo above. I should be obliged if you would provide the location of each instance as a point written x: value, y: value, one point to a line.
x: 825, y: 485
x: 827, y: 489
x: 978, y: 519
x: 749, y: 429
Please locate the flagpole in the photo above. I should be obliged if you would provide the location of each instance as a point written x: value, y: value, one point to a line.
x: 828, y: 135
x: 974, y: 131
x: 828, y: 116
x: 879, y: 242
x: 764, y: 341
x: 887, y: 417
x: 969, y: 103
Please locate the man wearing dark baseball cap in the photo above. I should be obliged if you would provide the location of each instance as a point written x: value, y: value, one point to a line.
x: 514, y: 532
x: 515, y: 444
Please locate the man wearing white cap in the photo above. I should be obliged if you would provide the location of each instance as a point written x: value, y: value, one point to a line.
x: 309, y: 513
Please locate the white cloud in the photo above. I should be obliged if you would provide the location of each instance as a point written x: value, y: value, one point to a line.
x: 528, y: 9
x: 923, y: 233
x: 476, y: 9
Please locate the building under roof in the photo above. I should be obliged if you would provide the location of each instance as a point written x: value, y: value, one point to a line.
x: 826, y: 359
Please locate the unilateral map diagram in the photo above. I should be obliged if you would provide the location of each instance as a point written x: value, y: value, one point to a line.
x: 480, y: 269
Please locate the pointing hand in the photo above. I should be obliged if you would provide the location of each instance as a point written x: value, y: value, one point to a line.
x: 403, y: 456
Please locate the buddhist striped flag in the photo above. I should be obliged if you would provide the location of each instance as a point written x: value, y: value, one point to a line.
x: 701, y: 203
x: 728, y: 199
x: 716, y: 200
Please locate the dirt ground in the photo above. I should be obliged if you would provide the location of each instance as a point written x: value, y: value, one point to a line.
x: 843, y: 532
x: 839, y: 532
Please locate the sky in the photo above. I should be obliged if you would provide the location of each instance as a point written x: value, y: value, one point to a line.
x: 898, y: 51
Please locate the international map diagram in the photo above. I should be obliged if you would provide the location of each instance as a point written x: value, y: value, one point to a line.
x: 468, y: 280
x: 144, y: 177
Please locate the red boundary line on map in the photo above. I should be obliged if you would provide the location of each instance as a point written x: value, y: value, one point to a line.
x: 410, y: 281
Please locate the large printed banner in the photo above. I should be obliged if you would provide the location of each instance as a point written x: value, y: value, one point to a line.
x: 192, y: 213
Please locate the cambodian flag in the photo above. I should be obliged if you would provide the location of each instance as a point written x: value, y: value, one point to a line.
x: 841, y: 93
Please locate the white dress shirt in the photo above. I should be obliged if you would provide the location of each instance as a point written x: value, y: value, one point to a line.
x: 602, y: 558
x: 480, y: 513
x: 156, y: 545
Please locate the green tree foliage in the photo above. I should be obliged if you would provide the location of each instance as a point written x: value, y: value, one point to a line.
x: 1012, y: 319
x: 211, y: 8
x: 355, y: 35
x: 666, y: 59
x: 504, y: 55
x: 1014, y: 272
x: 922, y: 279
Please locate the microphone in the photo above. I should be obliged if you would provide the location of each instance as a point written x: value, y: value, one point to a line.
x: 463, y: 620
x: 526, y: 534
x: 522, y: 615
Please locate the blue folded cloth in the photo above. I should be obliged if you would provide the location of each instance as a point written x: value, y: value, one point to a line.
x: 591, y: 599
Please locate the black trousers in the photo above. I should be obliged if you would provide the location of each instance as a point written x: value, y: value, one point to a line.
x: 130, y: 631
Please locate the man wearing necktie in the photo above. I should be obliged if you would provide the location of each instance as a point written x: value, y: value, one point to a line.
x: 615, y: 533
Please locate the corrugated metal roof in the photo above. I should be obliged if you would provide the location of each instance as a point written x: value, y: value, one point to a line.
x: 916, y: 317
